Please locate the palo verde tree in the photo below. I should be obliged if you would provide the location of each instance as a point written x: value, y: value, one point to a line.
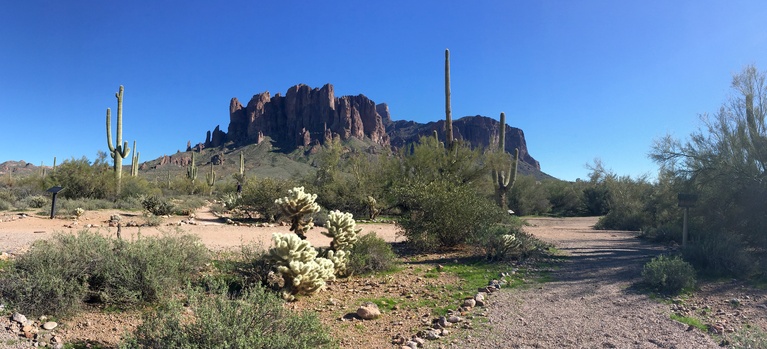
x: 725, y: 162
x: 120, y: 150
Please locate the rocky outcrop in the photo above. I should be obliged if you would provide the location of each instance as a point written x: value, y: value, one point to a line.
x: 304, y: 116
x: 478, y: 131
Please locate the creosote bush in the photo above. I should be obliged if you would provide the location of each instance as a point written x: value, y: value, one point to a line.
x: 669, y: 274
x: 57, y: 275
x: 251, y: 320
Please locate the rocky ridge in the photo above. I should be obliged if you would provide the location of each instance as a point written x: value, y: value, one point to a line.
x: 306, y: 117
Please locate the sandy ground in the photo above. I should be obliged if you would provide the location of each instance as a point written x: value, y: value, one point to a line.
x: 17, y: 232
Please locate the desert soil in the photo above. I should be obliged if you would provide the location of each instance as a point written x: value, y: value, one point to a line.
x: 589, y: 302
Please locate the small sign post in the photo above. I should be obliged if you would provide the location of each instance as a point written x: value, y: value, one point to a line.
x: 54, y: 190
x: 686, y: 201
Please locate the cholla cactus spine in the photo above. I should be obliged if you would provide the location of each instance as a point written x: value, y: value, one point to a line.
x: 297, y: 205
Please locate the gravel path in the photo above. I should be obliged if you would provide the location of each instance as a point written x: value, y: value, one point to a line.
x: 589, y: 303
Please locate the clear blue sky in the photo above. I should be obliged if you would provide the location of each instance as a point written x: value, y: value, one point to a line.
x: 583, y: 79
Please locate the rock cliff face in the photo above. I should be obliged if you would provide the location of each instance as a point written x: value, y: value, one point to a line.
x: 477, y: 130
x: 307, y: 117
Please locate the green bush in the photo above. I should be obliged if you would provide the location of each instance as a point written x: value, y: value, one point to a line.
x: 255, y: 319
x: 719, y: 254
x: 57, y: 275
x: 156, y: 205
x: 507, y: 242
x: 259, y: 194
x: 669, y: 275
x: 442, y: 214
x: 35, y: 201
x: 371, y: 254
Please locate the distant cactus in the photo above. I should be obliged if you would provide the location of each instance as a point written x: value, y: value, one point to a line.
x: 118, y: 151
x: 448, y: 110
x: 134, y: 161
x: 504, y: 179
x: 297, y: 205
x: 210, y: 178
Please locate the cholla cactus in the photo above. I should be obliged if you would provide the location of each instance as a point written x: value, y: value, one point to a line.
x: 341, y: 227
x: 340, y: 261
x: 296, y: 260
x: 79, y: 212
x: 287, y: 248
x: 297, y: 205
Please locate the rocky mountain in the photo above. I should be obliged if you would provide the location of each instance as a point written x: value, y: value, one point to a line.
x: 307, y: 116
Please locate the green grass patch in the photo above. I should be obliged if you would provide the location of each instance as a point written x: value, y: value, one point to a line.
x: 692, y: 321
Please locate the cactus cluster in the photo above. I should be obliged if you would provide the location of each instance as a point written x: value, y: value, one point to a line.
x: 296, y: 206
x: 297, y: 262
x: 303, y: 268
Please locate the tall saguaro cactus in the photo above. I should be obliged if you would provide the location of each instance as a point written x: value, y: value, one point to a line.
x: 191, y: 171
x: 448, y: 111
x: 502, y: 179
x: 118, y: 151
x: 210, y: 178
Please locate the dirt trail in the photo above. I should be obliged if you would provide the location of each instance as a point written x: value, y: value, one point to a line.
x: 589, y: 303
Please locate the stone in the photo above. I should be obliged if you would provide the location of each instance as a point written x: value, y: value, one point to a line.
x: 431, y: 334
x: 20, y: 318
x: 454, y: 319
x: 368, y: 311
x: 50, y: 325
x: 469, y: 303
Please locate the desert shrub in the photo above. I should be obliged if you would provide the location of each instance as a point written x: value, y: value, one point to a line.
x: 258, y: 194
x: 152, y: 221
x: 253, y: 319
x: 156, y: 205
x: 622, y: 219
x: 669, y: 274
x: 5, y: 205
x: 70, y: 205
x: 187, y: 205
x: 57, y: 275
x: 35, y: 201
x: 371, y: 254
x: 81, y: 179
x: 130, y: 203
x: 566, y: 198
x: 443, y: 214
x: 507, y: 242
x: 137, y: 187
x: 529, y: 197
x: 718, y: 254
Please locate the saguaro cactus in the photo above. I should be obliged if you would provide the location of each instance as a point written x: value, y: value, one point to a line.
x: 134, y: 161
x: 118, y: 151
x: 191, y: 170
x: 502, y: 179
x: 448, y: 111
x: 210, y: 178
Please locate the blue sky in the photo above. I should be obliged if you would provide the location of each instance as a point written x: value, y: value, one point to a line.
x: 582, y: 79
